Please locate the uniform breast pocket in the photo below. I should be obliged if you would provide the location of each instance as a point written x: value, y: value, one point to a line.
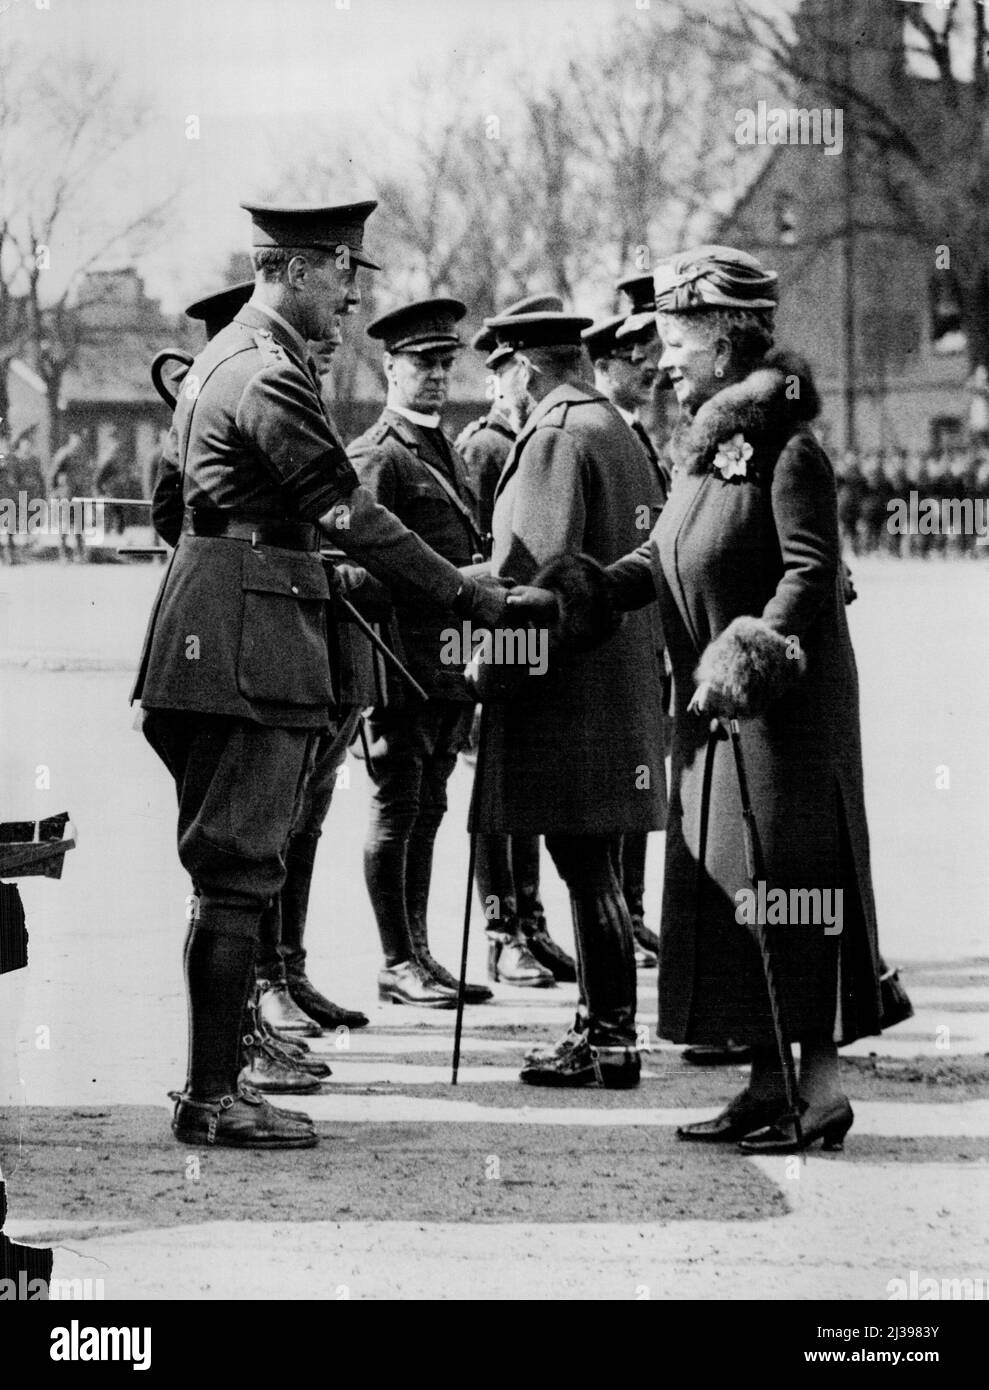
x: 283, y: 656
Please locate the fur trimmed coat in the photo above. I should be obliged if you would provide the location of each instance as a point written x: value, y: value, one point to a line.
x: 747, y: 571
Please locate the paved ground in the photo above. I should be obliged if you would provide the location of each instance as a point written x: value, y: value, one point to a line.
x: 420, y: 1190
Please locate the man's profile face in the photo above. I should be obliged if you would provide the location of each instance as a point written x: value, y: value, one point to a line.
x: 420, y: 380
x: 324, y: 349
x: 328, y: 293
x: 627, y: 385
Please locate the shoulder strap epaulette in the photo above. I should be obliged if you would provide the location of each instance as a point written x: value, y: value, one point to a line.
x: 270, y: 349
x: 468, y: 432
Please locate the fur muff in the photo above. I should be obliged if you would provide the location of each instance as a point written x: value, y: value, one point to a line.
x: 774, y: 401
x: 747, y: 667
x: 588, y: 616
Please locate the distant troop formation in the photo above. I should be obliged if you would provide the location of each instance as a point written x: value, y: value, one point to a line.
x: 869, y: 483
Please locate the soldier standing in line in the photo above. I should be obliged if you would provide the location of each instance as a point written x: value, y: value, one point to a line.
x: 507, y: 871
x: 406, y: 462
x: 234, y: 678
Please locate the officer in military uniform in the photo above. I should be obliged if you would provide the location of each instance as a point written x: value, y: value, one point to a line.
x: 577, y: 753
x: 234, y: 677
x: 283, y: 983
x: 627, y: 385
x: 638, y: 336
x: 485, y: 443
x: 406, y: 462
x: 507, y: 866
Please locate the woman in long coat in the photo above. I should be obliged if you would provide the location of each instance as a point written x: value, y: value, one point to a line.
x: 745, y: 564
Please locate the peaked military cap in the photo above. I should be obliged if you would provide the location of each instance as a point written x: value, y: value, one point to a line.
x: 713, y: 277
x: 216, y: 310
x: 601, y: 338
x: 640, y: 293
x: 421, y: 326
x: 550, y: 328
x: 324, y: 228
x: 484, y: 339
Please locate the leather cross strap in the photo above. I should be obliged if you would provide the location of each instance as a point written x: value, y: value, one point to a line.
x: 456, y: 499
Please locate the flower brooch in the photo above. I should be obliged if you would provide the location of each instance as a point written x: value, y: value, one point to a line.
x: 732, y: 458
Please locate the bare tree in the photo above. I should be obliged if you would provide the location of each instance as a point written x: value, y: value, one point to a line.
x: 65, y: 126
x: 921, y: 136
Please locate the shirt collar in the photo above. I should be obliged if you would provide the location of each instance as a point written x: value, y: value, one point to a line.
x: 295, y: 337
x: 426, y: 422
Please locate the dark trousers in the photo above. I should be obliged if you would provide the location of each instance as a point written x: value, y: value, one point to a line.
x: 412, y: 754
x: 602, y: 934
x: 283, y: 925
x: 507, y: 878
x: 631, y: 869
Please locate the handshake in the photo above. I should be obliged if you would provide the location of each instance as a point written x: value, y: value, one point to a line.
x: 491, y: 601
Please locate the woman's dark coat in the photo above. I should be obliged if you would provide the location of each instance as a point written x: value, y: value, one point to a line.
x: 765, y: 545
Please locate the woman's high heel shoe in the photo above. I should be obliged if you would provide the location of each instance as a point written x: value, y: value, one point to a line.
x: 830, y: 1124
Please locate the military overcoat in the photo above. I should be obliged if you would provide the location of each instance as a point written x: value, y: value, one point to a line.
x: 578, y: 750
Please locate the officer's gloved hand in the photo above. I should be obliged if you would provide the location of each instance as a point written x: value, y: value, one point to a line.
x: 369, y: 596
x: 483, y: 598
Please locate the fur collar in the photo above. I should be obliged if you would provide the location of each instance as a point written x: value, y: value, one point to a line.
x: 764, y: 407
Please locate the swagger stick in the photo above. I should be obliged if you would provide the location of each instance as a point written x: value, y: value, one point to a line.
x: 475, y: 802
x: 756, y: 868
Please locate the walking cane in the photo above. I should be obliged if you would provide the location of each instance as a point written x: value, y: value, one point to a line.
x: 475, y: 801
x: 756, y: 870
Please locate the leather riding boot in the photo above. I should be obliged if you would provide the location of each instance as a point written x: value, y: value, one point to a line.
x: 215, y: 1108
x: 544, y: 949
x: 510, y: 962
x: 299, y: 860
x: 418, y: 875
x: 219, y: 959
x: 603, y: 932
x: 272, y: 1066
x: 384, y: 873
x: 280, y: 1011
x: 408, y: 983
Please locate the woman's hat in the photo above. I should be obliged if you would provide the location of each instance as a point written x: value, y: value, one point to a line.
x: 713, y: 277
